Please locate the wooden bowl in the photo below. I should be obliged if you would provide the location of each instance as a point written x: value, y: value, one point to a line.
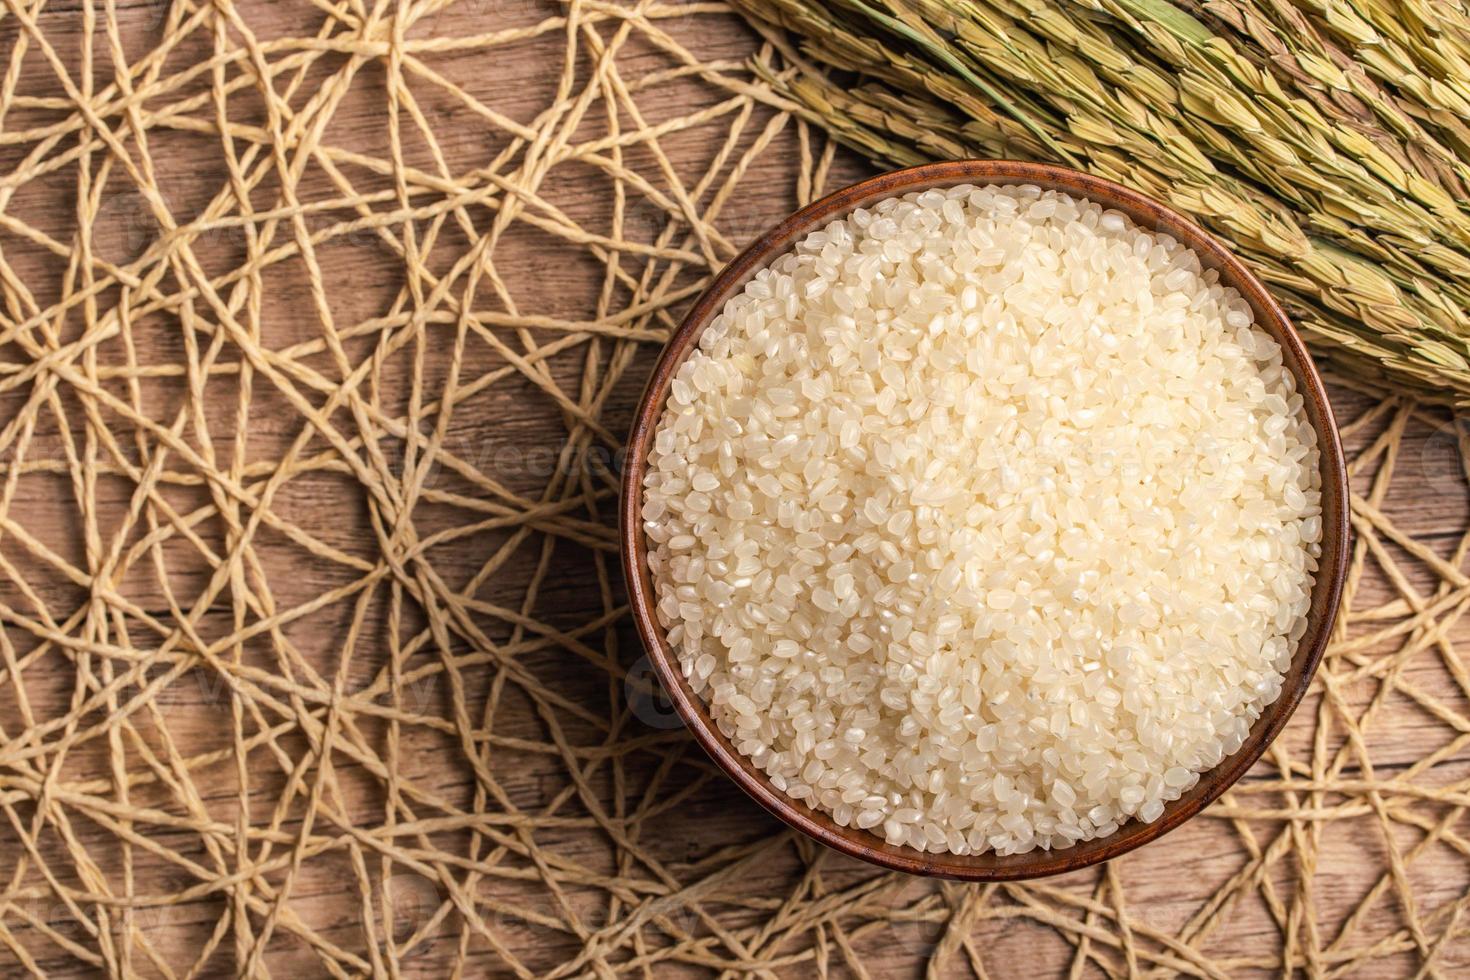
x: 1325, y: 593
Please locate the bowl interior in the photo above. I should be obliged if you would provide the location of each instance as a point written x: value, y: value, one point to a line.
x: 1146, y: 213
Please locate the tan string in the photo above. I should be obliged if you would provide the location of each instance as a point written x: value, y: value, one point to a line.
x: 319, y: 331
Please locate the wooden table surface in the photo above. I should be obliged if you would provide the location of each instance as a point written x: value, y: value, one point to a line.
x: 564, y: 824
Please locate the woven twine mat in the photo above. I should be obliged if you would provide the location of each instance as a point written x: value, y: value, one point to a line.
x: 320, y: 325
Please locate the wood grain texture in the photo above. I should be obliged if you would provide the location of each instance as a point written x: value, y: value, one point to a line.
x: 454, y: 766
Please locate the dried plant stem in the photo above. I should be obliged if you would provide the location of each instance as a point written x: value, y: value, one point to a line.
x: 1328, y: 146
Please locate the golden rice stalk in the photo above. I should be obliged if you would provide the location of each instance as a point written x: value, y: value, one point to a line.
x: 1326, y: 141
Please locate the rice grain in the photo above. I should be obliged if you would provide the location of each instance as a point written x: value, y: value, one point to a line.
x: 984, y: 519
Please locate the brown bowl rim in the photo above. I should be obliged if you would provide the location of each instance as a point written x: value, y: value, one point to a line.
x: 861, y: 844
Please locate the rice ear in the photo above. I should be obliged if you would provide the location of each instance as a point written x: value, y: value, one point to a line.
x: 1327, y: 143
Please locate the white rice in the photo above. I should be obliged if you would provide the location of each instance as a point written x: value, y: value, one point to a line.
x: 984, y: 520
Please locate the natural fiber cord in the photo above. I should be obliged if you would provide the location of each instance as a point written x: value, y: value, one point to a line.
x: 320, y: 326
